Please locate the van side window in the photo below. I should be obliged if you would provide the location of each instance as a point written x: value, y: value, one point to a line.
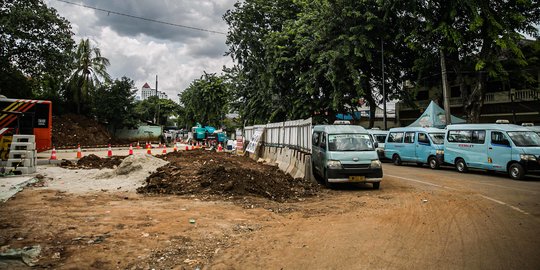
x: 423, y: 138
x: 395, y: 137
x: 315, y: 139
x: 459, y: 136
x: 478, y: 136
x: 323, y: 141
x: 409, y: 137
x: 498, y: 138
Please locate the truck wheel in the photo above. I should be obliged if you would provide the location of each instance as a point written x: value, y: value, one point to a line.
x: 396, y: 160
x: 516, y: 171
x: 433, y: 163
x: 461, y: 166
x: 376, y: 185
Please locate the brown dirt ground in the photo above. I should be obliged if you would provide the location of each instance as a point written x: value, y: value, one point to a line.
x: 93, y: 162
x: 72, y: 129
x: 211, y: 225
x: 229, y: 176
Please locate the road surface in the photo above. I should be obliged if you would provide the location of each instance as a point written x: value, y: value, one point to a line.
x: 419, y: 219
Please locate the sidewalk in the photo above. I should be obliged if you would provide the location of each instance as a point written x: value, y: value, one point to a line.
x: 10, y: 185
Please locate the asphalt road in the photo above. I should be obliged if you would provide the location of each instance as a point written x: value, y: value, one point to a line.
x: 521, y: 196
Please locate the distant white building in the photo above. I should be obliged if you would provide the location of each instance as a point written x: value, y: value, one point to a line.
x: 147, y: 91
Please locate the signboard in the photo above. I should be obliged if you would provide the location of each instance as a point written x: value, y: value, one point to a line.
x: 252, y: 146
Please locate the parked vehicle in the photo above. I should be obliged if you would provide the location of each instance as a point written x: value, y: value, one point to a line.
x: 415, y: 144
x: 534, y: 128
x: 345, y: 154
x: 379, y: 136
x: 494, y: 147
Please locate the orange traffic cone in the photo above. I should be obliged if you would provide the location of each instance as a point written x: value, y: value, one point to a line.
x: 130, y: 150
x: 220, y: 148
x: 187, y: 148
x: 148, y: 149
x: 79, y: 152
x: 53, y: 154
x: 109, y: 151
x: 192, y: 147
x: 164, y: 150
x: 138, y: 146
x: 175, y: 149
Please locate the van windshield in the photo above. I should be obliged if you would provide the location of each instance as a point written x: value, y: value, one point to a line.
x: 525, y: 138
x: 349, y: 142
x: 437, y: 138
x: 380, y: 138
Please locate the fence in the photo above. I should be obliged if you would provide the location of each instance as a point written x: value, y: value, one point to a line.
x: 294, y: 134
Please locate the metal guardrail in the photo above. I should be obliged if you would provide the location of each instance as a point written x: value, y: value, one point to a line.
x: 294, y: 134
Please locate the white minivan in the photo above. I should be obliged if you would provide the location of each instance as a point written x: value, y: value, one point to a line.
x: 345, y: 154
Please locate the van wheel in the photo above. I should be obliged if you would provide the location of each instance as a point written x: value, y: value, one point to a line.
x: 516, y: 171
x: 396, y: 160
x: 376, y: 185
x: 326, y: 182
x: 461, y: 166
x: 433, y: 163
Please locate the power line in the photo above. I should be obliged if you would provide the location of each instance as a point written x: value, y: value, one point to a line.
x: 142, y: 18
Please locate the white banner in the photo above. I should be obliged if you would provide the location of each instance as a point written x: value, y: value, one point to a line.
x: 252, y: 146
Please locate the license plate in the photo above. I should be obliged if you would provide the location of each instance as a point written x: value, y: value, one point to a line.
x: 357, y: 178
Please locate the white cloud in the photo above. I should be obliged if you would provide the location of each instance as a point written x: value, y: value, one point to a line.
x: 141, y: 50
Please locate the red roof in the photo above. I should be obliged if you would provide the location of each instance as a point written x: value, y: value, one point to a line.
x: 146, y: 85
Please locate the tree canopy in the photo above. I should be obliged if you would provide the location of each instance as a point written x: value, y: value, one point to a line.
x: 302, y: 58
x: 206, y: 101
x: 34, y: 41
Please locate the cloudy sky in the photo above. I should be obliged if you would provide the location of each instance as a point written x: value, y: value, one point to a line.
x: 140, y: 49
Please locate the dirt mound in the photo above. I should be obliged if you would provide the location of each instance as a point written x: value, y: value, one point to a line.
x: 222, y: 174
x: 93, y: 162
x: 73, y: 129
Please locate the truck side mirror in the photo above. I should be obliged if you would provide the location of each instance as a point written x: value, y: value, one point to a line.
x: 375, y: 145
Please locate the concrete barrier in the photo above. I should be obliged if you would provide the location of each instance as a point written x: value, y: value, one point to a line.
x: 293, y: 162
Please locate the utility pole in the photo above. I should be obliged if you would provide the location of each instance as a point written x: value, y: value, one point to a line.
x: 445, y: 89
x: 383, y: 90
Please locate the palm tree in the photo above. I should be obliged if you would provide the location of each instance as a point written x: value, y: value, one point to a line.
x: 89, y: 68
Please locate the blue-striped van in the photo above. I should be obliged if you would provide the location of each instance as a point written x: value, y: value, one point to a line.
x: 415, y: 144
x: 495, y: 147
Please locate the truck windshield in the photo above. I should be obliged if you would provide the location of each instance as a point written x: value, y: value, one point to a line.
x: 349, y: 142
x: 437, y: 138
x: 525, y: 138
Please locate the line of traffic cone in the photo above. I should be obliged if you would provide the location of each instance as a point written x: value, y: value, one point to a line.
x: 79, y: 152
x: 130, y: 150
x: 53, y: 154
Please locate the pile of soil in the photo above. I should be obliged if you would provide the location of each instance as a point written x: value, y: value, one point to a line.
x: 72, y: 129
x: 203, y: 172
x: 93, y: 162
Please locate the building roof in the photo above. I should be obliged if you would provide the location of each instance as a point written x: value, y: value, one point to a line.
x: 146, y: 85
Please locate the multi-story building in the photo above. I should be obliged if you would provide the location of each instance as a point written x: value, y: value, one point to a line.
x: 147, y: 91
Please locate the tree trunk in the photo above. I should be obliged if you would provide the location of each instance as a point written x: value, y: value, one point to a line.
x: 475, y: 101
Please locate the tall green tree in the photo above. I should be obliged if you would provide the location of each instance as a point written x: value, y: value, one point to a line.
x: 115, y: 104
x: 90, y: 70
x: 155, y: 110
x: 258, y: 96
x: 34, y: 40
x: 206, y: 100
x: 472, y: 36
